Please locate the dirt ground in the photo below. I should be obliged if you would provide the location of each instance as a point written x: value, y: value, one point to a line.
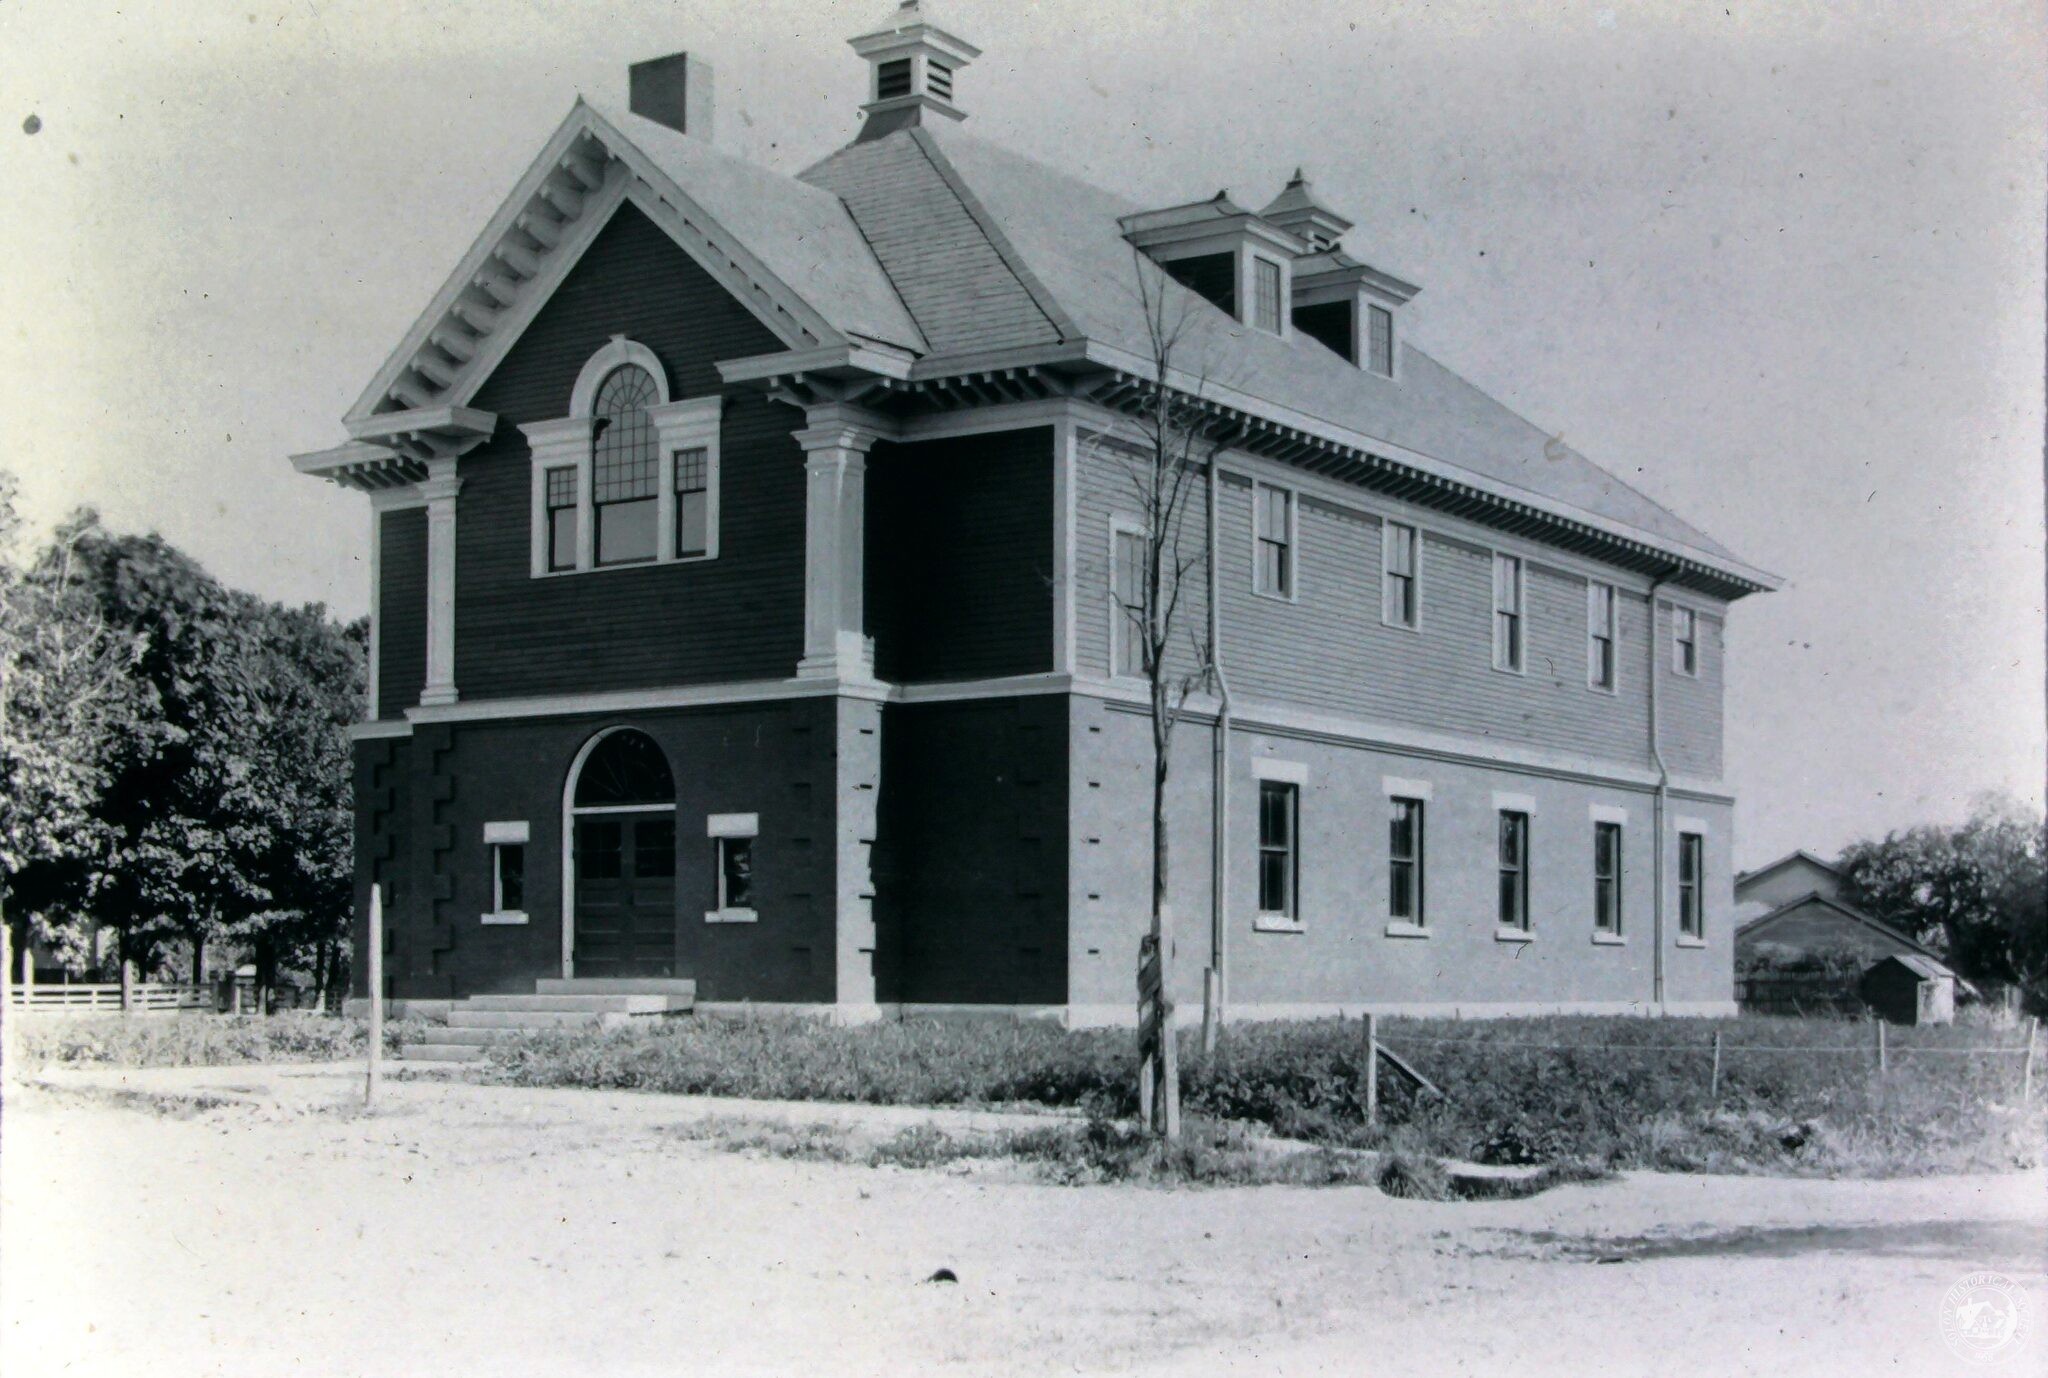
x: 462, y: 1229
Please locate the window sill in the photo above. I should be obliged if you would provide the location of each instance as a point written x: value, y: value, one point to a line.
x: 658, y: 563
x: 1604, y: 939
x: 508, y: 917
x: 1275, y: 597
x: 1415, y: 626
x: 1520, y: 671
x: 1400, y: 929
x: 731, y: 916
x: 1684, y: 941
x: 1513, y: 935
x: 1276, y: 923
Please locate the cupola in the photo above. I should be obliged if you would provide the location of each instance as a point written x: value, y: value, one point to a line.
x: 1296, y: 210
x: 1350, y: 306
x: 913, y: 65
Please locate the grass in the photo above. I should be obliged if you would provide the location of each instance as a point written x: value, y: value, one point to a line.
x: 194, y: 1040
x: 1796, y: 1096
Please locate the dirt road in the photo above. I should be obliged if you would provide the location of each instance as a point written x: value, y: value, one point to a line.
x: 471, y: 1230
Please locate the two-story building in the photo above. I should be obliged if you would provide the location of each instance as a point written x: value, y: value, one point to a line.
x: 745, y: 556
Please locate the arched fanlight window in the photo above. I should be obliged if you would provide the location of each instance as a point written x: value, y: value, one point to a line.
x: 625, y: 769
x: 626, y: 466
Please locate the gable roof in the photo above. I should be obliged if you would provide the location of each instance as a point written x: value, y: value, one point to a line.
x: 789, y: 252
x: 1753, y: 929
x: 1059, y: 251
x: 1771, y: 868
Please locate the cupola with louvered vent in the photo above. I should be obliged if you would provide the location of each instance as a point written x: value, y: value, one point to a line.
x: 913, y: 66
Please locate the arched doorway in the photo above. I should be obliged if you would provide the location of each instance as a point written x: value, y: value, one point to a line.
x: 619, y: 859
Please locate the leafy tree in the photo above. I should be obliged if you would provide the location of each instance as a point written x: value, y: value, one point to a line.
x: 62, y: 702
x: 1977, y: 892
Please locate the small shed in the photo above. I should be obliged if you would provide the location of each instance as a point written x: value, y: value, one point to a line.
x: 1909, y: 988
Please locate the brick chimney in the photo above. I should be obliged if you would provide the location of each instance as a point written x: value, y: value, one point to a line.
x: 673, y: 90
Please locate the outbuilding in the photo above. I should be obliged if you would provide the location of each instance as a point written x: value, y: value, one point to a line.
x: 1909, y: 988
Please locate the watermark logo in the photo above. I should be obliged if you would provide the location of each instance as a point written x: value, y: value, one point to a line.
x: 1984, y: 1317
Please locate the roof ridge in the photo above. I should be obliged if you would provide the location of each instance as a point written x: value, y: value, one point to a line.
x: 1062, y: 324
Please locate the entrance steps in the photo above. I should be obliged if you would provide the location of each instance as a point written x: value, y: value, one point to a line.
x: 605, y: 1003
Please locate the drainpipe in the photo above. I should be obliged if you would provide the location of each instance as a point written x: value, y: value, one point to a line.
x: 1219, y: 795
x: 1660, y: 802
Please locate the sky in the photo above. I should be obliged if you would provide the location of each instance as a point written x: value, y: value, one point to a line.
x: 1781, y: 267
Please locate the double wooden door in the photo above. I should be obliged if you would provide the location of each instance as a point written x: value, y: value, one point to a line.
x: 626, y: 894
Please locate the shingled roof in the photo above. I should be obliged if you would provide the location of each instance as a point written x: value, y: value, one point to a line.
x: 992, y: 250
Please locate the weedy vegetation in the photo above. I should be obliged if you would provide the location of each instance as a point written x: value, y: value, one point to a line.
x: 1583, y: 1094
x: 195, y: 1040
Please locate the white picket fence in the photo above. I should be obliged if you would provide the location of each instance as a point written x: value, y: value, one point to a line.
x: 106, y: 998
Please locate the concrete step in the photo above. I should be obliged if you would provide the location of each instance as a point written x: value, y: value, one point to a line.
x: 676, y: 988
x: 440, y: 1052
x: 461, y: 1018
x: 579, y: 1003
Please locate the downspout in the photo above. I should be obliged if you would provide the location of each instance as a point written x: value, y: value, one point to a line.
x: 1659, y: 803
x: 1219, y: 794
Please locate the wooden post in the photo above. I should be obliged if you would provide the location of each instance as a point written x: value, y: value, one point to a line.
x: 2027, y: 1062
x: 1372, y: 1068
x: 1714, y: 1085
x: 7, y: 1007
x: 1880, y: 1046
x: 376, y: 1033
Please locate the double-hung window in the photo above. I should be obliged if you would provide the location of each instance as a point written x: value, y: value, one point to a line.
x: 1685, y: 641
x: 1404, y: 861
x: 506, y: 844
x: 1401, y: 571
x: 1273, y: 547
x: 1279, y: 850
x: 1127, y: 620
x: 1507, y: 613
x: 693, y: 502
x: 628, y: 476
x: 732, y: 866
x: 1607, y: 878
x: 561, y: 517
x: 1691, y: 861
x: 1266, y: 294
x: 1380, y: 340
x: 625, y: 468
x: 1514, y: 869
x: 1600, y: 629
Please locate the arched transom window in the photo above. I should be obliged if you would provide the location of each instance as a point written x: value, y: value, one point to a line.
x: 629, y: 476
x: 626, y: 472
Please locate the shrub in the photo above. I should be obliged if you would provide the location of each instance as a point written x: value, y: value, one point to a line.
x: 1629, y: 1092
x: 196, y: 1040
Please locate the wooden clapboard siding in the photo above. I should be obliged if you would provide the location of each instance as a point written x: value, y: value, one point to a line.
x: 739, y: 616
x: 1329, y: 651
x: 959, y: 556
x: 1105, y: 494
x: 401, y: 610
x: 1691, y: 705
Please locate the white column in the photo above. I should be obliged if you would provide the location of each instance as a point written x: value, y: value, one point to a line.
x: 835, y: 470
x: 439, y: 490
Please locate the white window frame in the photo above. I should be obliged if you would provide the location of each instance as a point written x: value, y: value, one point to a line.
x: 1687, y: 619
x: 1416, y: 923
x: 1259, y: 265
x: 566, y: 442
x: 1615, y: 931
x: 1524, y: 930
x: 1293, y: 563
x: 724, y: 829
x: 1387, y: 618
x: 498, y: 836
x: 1697, y: 830
x: 1595, y: 635
x: 1120, y: 627
x: 1393, y: 341
x: 1293, y: 775
x: 1518, y: 662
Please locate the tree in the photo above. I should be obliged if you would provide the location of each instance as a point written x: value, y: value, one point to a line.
x: 1977, y: 892
x: 1179, y: 440
x: 62, y: 701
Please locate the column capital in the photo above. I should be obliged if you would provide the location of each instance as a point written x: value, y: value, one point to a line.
x: 837, y: 426
x: 441, y: 483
